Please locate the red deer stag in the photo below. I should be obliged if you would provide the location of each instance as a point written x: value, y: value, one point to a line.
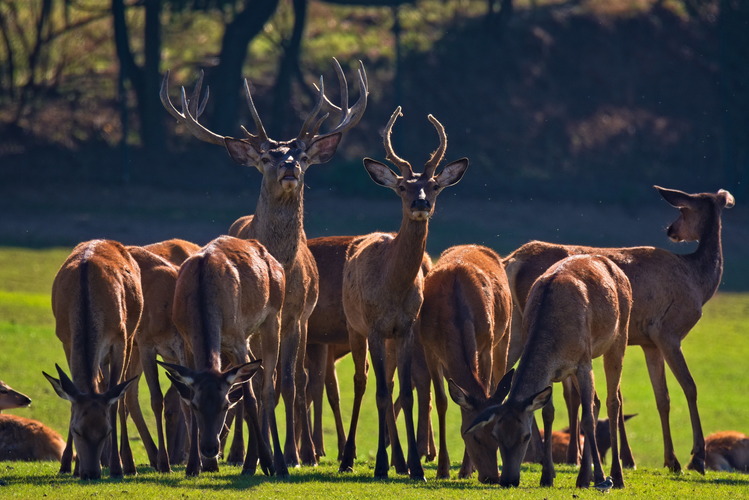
x: 727, y: 451
x: 278, y: 223
x: 225, y: 293
x: 578, y: 310
x: 465, y: 331
x: 10, y: 398
x: 668, y: 290
x: 157, y: 334
x: 97, y: 303
x: 382, y: 294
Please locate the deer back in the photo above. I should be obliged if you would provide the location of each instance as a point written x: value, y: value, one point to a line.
x: 23, y: 439
x: 174, y: 251
x: 727, y: 451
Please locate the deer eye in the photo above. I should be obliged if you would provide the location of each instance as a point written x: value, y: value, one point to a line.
x: 265, y: 160
x: 401, y: 188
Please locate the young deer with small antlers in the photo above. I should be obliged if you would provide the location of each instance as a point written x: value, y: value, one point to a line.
x: 278, y: 222
x: 577, y: 311
x: 465, y: 331
x: 97, y: 303
x: 230, y: 290
x: 382, y: 293
x: 668, y: 289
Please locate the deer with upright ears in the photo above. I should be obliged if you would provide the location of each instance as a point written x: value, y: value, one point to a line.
x: 465, y: 331
x: 668, y: 291
x: 97, y: 303
x: 278, y: 222
x: 383, y: 292
x: 232, y: 289
x: 10, y: 398
x: 577, y: 311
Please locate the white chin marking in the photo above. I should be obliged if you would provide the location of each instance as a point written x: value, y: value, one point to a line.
x: 420, y: 215
x: 288, y: 184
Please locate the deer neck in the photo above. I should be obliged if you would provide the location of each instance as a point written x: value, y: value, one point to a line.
x: 406, y: 253
x: 279, y: 225
x: 534, y: 373
x: 708, y: 258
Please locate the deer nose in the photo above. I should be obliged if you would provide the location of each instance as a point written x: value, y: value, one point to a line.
x: 421, y: 205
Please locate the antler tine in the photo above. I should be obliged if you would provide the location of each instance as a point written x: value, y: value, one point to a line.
x: 402, y: 164
x: 166, y: 102
x: 198, y: 130
x: 439, y: 153
x: 262, y: 135
x: 305, y: 133
x: 196, y: 105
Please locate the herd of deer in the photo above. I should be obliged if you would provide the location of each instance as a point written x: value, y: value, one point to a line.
x: 268, y: 303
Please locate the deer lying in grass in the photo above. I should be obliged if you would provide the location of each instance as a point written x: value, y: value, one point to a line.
x: 278, y: 223
x: 465, y: 331
x: 578, y: 310
x: 668, y: 290
x: 382, y: 294
x: 157, y: 335
x: 727, y: 451
x: 225, y: 293
x: 97, y: 303
x: 10, y: 398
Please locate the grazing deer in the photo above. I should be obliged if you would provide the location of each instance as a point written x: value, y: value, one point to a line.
x: 10, y: 398
x: 727, y: 451
x: 576, y: 311
x: 232, y: 289
x: 465, y: 331
x: 668, y: 290
x: 382, y: 294
x: 97, y: 303
x: 28, y: 440
x: 157, y: 334
x: 278, y: 223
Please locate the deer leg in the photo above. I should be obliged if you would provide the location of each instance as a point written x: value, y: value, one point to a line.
x: 612, y: 364
x: 115, y: 374
x: 405, y: 357
x: 194, y: 464
x: 675, y: 359
x: 384, y: 400
x: 175, y: 425
x: 334, y: 400
x: 587, y: 395
x: 440, y: 399
x: 67, y: 455
x: 628, y: 460
x: 308, y: 455
x: 547, y: 462
x: 420, y: 377
x: 397, y: 458
x: 359, y: 355
x: 316, y: 360
x: 287, y: 374
x: 151, y: 374
x: 572, y: 401
x: 657, y: 372
x: 270, y: 350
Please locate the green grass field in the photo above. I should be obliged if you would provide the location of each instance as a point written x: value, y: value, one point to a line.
x: 715, y: 350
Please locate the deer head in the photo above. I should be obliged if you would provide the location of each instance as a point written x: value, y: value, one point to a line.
x: 698, y: 212
x: 418, y: 192
x: 282, y: 163
x: 10, y: 398
x: 481, y: 444
x: 90, y: 421
x: 207, y: 394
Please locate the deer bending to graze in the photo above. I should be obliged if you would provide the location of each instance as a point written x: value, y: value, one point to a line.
x: 10, y: 398
x: 668, y: 290
x: 157, y: 335
x: 465, y: 331
x: 578, y: 310
x: 278, y: 221
x: 727, y: 451
x: 232, y: 289
x: 97, y: 303
x: 382, y: 293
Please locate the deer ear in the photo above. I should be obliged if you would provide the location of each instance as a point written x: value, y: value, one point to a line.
x: 490, y: 416
x: 185, y: 393
x: 115, y: 393
x: 58, y: 387
x: 539, y: 400
x: 178, y: 372
x: 461, y: 397
x: 323, y: 149
x: 381, y: 173
x: 726, y: 198
x: 674, y: 197
x: 243, y: 152
x: 242, y: 373
x: 452, y: 173
x: 503, y: 388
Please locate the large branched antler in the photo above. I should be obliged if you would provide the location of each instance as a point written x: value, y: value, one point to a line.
x: 192, y: 108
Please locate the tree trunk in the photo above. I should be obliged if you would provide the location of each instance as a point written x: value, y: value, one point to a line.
x: 283, y: 111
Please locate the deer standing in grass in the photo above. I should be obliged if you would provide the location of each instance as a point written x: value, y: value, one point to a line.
x: 232, y: 289
x: 727, y: 451
x: 382, y: 294
x: 278, y: 223
x: 97, y: 303
x: 465, y: 331
x: 668, y: 290
x: 157, y: 335
x: 577, y: 310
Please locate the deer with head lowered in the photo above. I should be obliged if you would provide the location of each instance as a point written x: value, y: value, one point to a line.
x: 97, y: 303
x: 278, y: 222
x: 668, y: 291
x: 578, y: 310
x: 465, y: 329
x: 230, y: 290
x: 383, y: 291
